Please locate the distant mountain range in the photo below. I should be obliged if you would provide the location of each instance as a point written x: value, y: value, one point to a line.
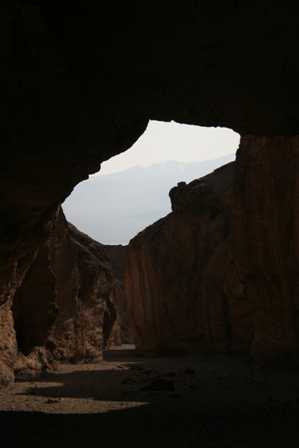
x: 114, y: 208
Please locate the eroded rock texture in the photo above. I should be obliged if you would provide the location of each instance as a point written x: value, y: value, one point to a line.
x: 63, y: 309
x: 221, y: 271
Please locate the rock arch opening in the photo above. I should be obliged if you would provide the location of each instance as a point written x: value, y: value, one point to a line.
x: 131, y: 190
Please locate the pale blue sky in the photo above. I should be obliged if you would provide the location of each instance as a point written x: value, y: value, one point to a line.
x: 172, y: 141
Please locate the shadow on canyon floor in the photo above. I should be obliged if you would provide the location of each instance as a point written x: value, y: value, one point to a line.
x: 151, y: 426
x: 177, y: 401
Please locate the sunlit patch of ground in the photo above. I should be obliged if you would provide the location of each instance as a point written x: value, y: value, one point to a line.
x: 124, y: 380
x: 72, y: 389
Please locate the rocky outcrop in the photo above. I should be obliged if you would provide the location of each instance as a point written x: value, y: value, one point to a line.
x: 220, y: 272
x: 63, y: 309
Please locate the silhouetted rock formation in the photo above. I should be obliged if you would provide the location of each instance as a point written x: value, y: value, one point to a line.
x: 220, y: 272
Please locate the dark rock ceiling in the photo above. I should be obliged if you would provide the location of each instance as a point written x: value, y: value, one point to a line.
x: 80, y: 81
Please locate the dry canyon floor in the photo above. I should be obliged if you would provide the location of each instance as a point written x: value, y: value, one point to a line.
x: 139, y: 400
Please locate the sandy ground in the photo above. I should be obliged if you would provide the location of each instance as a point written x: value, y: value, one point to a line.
x: 176, y: 401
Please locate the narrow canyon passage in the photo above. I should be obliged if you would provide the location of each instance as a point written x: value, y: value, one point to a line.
x: 128, y: 195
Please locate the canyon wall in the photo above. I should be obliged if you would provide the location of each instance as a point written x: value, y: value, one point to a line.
x: 63, y: 309
x: 220, y: 273
x: 181, y: 280
x: 121, y: 332
x: 265, y: 241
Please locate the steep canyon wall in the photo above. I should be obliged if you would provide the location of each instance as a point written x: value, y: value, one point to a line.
x: 219, y: 273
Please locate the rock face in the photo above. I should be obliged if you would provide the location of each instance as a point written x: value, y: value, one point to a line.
x: 63, y: 309
x: 181, y: 281
x: 121, y: 332
x: 220, y: 272
x: 265, y: 241
x: 8, y: 345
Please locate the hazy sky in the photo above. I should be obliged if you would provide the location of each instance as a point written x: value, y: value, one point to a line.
x: 172, y: 141
x: 113, y: 208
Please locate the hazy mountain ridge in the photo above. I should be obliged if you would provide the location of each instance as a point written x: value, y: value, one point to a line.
x: 113, y: 208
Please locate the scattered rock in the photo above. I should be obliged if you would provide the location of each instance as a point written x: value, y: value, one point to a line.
x: 32, y: 366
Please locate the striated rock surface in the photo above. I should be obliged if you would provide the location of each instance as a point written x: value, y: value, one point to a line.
x: 266, y: 241
x: 221, y: 271
x: 181, y: 281
x: 121, y: 332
